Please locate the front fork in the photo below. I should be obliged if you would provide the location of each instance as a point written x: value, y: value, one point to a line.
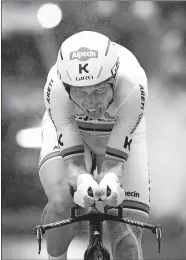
x: 95, y: 229
x: 96, y: 249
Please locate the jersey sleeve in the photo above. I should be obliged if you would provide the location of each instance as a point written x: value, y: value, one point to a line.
x: 61, y: 112
x: 130, y: 99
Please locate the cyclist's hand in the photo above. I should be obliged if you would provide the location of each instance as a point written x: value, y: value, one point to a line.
x: 117, y: 194
x: 81, y: 197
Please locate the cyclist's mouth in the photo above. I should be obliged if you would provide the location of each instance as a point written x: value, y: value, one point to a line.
x: 94, y: 112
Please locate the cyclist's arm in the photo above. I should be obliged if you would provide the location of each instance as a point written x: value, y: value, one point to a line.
x: 61, y: 111
x: 75, y: 166
x: 129, y: 115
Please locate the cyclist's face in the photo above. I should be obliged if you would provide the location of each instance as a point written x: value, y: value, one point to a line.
x: 93, y: 99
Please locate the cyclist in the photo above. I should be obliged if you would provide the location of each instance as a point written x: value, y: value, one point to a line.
x: 95, y: 97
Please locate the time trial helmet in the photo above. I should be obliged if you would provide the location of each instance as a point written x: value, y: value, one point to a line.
x: 87, y: 58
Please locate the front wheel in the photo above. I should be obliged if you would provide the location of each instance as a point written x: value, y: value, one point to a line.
x: 97, y: 252
x: 98, y: 255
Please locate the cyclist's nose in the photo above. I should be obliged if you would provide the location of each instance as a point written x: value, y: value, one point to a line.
x: 90, y: 99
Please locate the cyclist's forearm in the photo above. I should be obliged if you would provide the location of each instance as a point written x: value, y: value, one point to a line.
x: 114, y: 166
x: 75, y: 166
x: 76, y: 162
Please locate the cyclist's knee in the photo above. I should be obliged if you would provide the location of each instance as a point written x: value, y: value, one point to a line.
x: 59, y: 206
x: 126, y: 239
x: 126, y: 242
x: 55, y: 183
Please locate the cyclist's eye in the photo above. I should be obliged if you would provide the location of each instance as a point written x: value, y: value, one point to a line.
x: 100, y: 89
x: 80, y: 91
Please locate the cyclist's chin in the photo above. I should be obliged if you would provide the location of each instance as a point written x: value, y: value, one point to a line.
x: 95, y: 113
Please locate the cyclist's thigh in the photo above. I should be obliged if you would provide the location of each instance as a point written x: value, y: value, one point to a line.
x: 136, y: 180
x: 136, y: 184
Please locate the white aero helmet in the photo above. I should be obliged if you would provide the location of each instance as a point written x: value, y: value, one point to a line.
x: 87, y: 58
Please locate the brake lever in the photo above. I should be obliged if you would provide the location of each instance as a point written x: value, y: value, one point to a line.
x: 39, y: 231
x: 157, y: 230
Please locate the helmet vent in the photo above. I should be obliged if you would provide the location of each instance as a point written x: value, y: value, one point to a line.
x: 99, y: 72
x: 68, y: 75
x: 107, y: 49
x: 61, y: 54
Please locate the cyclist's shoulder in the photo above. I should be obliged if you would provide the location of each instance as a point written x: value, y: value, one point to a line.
x: 130, y: 76
x: 130, y: 69
x: 52, y: 80
x: 52, y: 75
x: 54, y: 88
x: 126, y: 56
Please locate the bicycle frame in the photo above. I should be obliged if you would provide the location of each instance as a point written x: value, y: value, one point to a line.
x: 96, y: 218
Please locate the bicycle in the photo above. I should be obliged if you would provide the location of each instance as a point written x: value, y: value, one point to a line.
x: 96, y: 249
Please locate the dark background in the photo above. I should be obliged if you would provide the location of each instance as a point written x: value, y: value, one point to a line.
x: 156, y: 33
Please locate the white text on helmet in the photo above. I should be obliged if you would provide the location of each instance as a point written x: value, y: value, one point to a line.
x: 83, y: 54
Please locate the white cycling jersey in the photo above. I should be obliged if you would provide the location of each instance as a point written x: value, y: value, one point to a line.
x: 112, y: 134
